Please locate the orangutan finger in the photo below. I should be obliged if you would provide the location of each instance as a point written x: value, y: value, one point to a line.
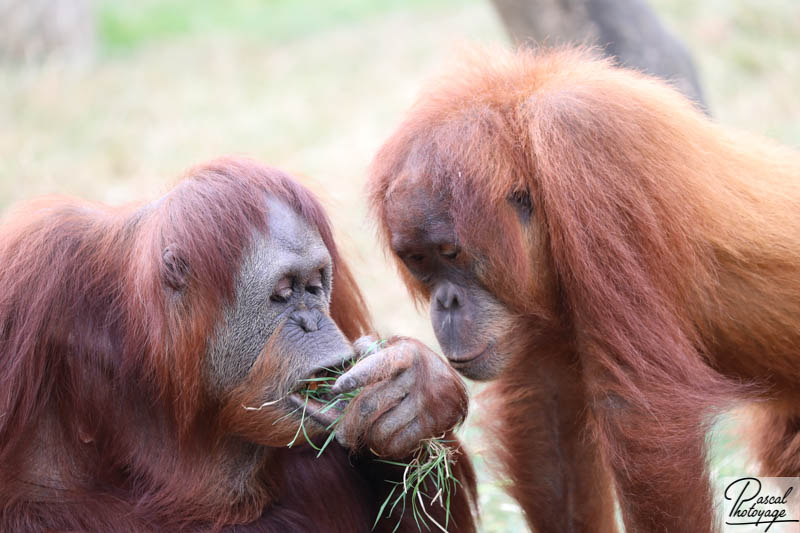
x: 387, y: 363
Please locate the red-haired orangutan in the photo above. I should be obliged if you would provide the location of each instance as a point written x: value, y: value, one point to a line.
x: 132, y: 341
x: 622, y: 268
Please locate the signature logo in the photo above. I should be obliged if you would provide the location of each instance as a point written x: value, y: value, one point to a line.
x: 761, y: 504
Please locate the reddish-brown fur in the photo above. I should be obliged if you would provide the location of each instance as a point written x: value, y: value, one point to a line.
x: 105, y: 422
x: 658, y: 283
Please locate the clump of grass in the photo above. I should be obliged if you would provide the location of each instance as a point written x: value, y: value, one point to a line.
x: 432, y: 463
x: 319, y: 389
x: 430, y: 467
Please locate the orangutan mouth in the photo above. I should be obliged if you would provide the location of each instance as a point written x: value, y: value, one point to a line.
x: 315, y: 400
x: 469, y: 359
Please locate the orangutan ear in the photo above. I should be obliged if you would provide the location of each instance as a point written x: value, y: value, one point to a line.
x: 520, y: 199
x: 174, y: 268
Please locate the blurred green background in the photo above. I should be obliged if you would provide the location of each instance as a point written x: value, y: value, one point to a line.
x: 313, y: 87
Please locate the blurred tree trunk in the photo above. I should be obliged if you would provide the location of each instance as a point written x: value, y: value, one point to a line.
x: 627, y: 30
x: 36, y: 30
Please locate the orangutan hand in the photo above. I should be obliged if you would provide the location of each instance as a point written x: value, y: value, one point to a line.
x: 408, y: 394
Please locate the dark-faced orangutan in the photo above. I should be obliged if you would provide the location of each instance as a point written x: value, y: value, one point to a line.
x: 151, y: 359
x: 621, y: 266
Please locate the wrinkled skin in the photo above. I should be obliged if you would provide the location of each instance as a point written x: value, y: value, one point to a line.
x: 401, y: 382
x: 282, y: 299
x: 282, y: 308
x: 475, y: 330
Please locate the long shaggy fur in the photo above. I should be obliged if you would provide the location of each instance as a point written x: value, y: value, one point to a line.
x: 663, y: 261
x: 105, y: 420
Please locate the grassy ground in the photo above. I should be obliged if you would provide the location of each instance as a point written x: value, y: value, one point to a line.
x: 313, y: 86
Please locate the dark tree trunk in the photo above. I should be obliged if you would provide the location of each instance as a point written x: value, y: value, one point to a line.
x: 627, y: 30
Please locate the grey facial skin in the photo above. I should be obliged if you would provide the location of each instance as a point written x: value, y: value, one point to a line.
x: 469, y: 324
x: 280, y: 317
x: 283, y: 289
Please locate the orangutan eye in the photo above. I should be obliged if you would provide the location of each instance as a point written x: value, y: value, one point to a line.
x: 449, y: 251
x: 282, y: 291
x: 315, y: 283
x: 521, y: 200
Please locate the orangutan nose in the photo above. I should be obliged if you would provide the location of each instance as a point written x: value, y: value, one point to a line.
x: 306, y: 319
x: 448, y: 297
